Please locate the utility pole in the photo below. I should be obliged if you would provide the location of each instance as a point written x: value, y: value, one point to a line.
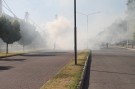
x: 54, y: 46
x: 87, y: 31
x: 75, y: 33
x: 0, y: 7
x: 56, y: 17
x: 26, y: 16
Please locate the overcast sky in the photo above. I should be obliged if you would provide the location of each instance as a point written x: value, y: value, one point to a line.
x: 44, y: 11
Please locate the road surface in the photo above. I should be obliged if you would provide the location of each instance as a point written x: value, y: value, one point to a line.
x: 112, y: 68
x: 31, y: 71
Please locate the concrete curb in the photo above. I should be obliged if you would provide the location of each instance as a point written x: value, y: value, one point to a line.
x: 83, y: 76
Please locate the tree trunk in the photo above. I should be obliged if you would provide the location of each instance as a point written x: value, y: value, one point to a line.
x: 6, y: 48
x: 132, y: 45
x: 23, y: 47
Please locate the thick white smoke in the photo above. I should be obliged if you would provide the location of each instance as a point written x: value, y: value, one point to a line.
x: 60, y: 33
x: 120, y: 30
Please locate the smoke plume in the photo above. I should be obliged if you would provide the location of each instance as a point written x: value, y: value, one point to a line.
x: 120, y: 30
x: 60, y: 33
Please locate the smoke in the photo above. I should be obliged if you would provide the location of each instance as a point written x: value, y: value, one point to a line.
x: 60, y: 33
x: 119, y: 30
x: 114, y: 33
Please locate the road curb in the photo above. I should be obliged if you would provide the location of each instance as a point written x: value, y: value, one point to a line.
x: 84, y: 72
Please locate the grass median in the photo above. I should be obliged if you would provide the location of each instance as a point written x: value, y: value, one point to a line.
x: 69, y: 76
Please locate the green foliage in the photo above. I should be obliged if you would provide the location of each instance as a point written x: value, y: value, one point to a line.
x: 3, y: 23
x: 9, y: 31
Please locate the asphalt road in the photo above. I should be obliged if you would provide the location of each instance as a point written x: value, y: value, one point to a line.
x: 112, y: 68
x: 31, y: 71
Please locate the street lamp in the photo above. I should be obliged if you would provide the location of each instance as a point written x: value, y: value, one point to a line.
x: 75, y: 34
x: 87, y: 15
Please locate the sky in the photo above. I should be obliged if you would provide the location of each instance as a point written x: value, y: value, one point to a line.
x: 44, y: 12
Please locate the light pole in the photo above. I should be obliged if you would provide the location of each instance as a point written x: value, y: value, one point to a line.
x: 75, y: 34
x: 87, y: 15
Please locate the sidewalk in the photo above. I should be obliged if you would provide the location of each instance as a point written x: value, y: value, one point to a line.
x: 133, y: 49
x: 112, y: 71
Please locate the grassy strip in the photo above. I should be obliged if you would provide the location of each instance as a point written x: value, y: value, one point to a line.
x: 3, y: 54
x: 9, y: 54
x: 69, y: 76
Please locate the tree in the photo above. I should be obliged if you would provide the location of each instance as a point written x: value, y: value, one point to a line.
x: 9, y: 31
x: 133, y: 43
x: 28, y: 33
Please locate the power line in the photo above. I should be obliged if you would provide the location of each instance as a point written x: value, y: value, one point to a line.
x: 6, y: 7
x: 9, y: 9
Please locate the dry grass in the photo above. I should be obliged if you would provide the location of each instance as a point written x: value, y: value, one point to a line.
x: 69, y: 76
x: 9, y: 54
x: 3, y: 54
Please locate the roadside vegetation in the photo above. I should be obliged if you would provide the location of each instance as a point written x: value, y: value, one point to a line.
x: 9, y: 54
x: 16, y: 30
x: 9, y: 31
x: 3, y: 54
x: 69, y: 76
